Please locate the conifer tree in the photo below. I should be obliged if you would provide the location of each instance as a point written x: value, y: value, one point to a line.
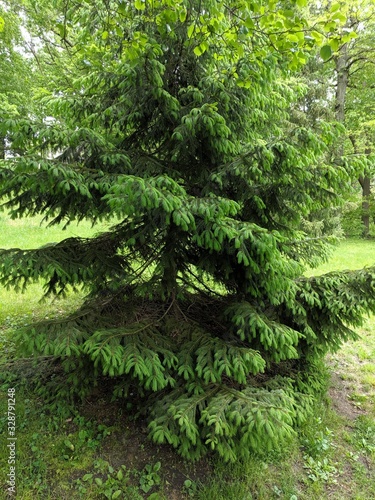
x: 177, y: 122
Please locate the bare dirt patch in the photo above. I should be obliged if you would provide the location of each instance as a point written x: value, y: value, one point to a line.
x: 129, y: 445
x: 340, y: 394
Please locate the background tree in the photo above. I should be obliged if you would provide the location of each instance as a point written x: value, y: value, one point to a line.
x: 176, y: 119
x: 313, y: 107
x: 359, y: 108
x: 353, y: 63
x: 340, y: 83
x: 15, y: 72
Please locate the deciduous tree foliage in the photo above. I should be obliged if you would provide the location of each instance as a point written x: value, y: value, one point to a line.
x: 177, y: 124
x: 356, y: 85
x: 349, y: 65
x: 14, y: 72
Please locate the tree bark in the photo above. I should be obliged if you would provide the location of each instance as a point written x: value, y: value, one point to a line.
x: 366, y: 191
x: 342, y: 71
x: 2, y: 148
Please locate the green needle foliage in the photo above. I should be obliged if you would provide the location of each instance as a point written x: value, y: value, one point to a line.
x: 175, y: 118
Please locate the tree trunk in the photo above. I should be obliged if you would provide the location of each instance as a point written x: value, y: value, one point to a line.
x: 2, y: 148
x: 366, y: 191
x: 342, y: 71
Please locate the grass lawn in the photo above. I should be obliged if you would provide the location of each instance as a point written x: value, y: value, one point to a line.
x: 349, y: 254
x: 32, y: 233
x: 100, y: 453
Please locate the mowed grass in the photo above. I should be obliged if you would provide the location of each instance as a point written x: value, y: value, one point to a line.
x: 355, y: 362
x: 58, y: 457
x: 348, y: 254
x: 30, y: 233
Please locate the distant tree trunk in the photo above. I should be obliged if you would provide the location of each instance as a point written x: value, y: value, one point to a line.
x: 2, y: 148
x: 366, y: 191
x: 365, y: 182
x: 342, y: 71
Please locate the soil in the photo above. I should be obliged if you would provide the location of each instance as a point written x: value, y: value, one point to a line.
x: 339, y: 394
x: 129, y: 445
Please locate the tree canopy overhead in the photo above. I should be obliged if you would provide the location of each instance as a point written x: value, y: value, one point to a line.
x: 175, y: 118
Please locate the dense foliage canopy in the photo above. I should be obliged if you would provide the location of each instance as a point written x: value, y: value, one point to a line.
x: 177, y: 121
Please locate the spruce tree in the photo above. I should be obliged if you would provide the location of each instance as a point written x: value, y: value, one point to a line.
x: 175, y: 122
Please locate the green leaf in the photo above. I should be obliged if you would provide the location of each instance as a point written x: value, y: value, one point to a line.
x: 334, y: 44
x: 201, y: 48
x: 190, y: 30
x: 157, y: 466
x: 60, y: 27
x: 139, y: 4
x: 326, y: 52
x: 249, y: 23
x: 69, y: 444
x: 335, y: 7
x: 318, y: 37
x: 338, y: 16
x: 183, y: 15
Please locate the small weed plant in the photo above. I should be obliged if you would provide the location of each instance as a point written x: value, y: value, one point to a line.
x: 317, y: 441
x: 190, y: 487
x: 89, y: 436
x: 317, y: 444
x: 150, y: 477
x: 365, y: 435
x: 320, y: 470
x: 111, y: 483
x: 106, y: 482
